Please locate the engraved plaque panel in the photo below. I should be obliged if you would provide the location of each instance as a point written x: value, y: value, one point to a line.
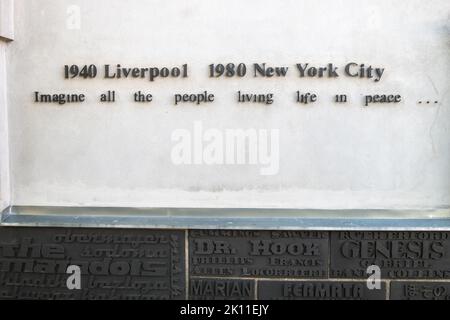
x: 283, y: 254
x: 420, y: 291
x: 221, y: 289
x: 400, y: 255
x: 319, y: 290
x: 114, y: 263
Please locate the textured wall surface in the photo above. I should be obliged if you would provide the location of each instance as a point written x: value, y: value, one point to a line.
x: 214, y: 264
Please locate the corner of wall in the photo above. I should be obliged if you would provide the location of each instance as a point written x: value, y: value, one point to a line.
x: 6, y: 20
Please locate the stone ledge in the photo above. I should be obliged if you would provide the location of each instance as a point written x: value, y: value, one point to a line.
x: 230, y: 219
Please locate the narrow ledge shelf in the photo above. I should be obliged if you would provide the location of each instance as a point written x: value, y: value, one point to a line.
x: 228, y: 218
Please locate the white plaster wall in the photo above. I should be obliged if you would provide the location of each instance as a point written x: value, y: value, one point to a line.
x: 4, y: 151
x: 332, y: 156
x: 6, y: 34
